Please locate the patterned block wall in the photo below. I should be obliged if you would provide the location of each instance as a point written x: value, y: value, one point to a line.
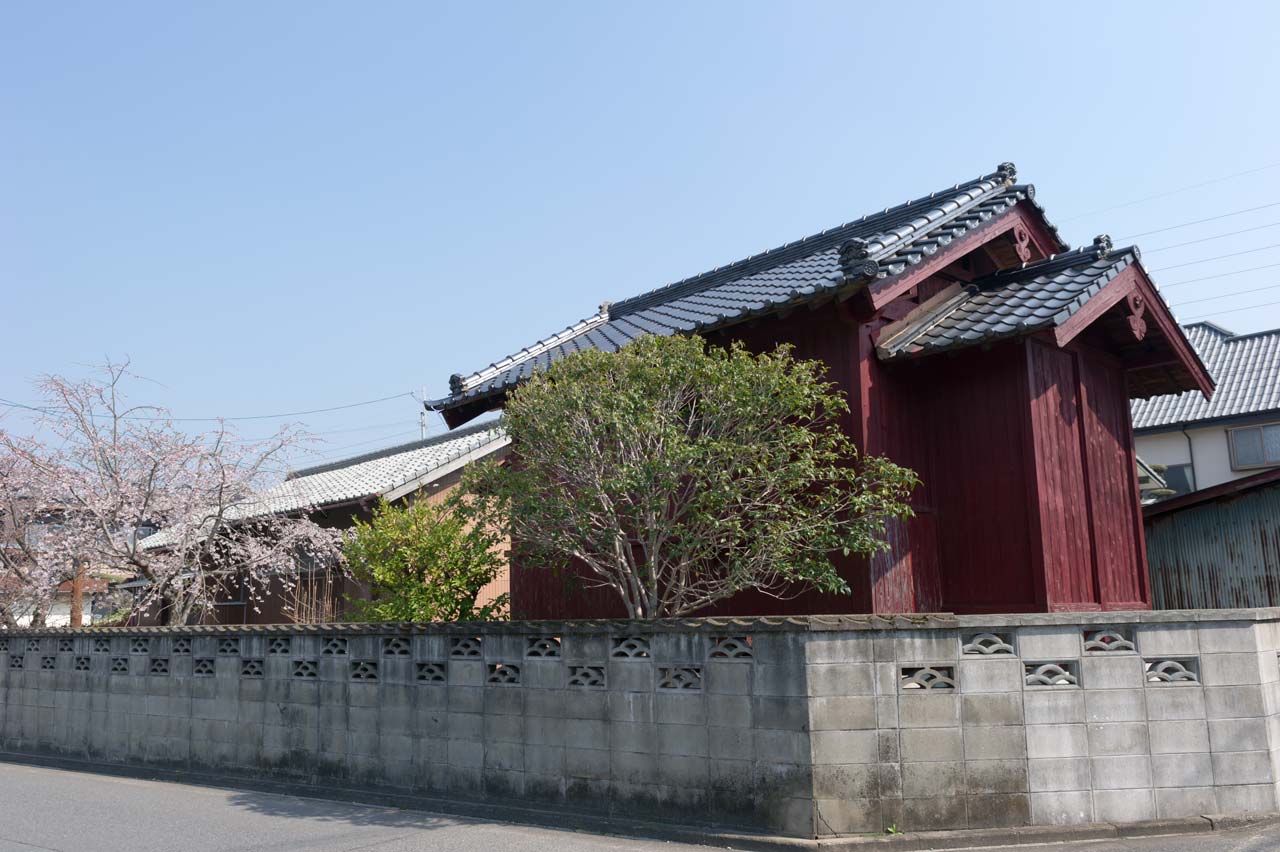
x: 799, y: 726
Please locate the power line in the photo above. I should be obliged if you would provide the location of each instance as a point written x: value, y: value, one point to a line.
x: 1232, y: 311
x: 1210, y: 239
x: 1219, y: 275
x: 1201, y: 221
x: 12, y: 404
x: 1224, y: 295
x: 1171, y: 192
x: 1216, y: 257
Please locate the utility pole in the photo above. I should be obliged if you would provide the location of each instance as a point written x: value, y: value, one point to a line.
x: 422, y: 413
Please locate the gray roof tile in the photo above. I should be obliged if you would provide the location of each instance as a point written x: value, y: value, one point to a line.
x: 1245, y: 368
x: 1007, y: 304
x: 896, y: 239
x: 365, y: 476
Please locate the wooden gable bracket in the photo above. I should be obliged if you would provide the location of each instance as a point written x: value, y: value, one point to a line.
x: 1145, y: 309
x: 1022, y: 218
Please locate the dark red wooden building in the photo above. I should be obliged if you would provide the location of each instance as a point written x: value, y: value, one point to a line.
x: 975, y: 348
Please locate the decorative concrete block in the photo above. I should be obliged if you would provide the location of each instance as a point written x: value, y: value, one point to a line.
x: 839, y: 648
x: 1242, y: 767
x: 1158, y: 640
x: 845, y: 746
x: 1119, y: 738
x: 847, y: 781
x: 1180, y: 737
x: 999, y: 811
x: 1244, y: 799
x: 931, y: 744
x: 984, y: 777
x: 994, y: 743
x: 790, y: 714
x: 1124, y: 805
x: 1182, y: 770
x: 1228, y: 637
x: 1057, y: 741
x: 929, y: 709
x: 942, y: 813
x: 841, y: 679
x: 834, y: 713
x: 1062, y: 808
x: 932, y: 780
x: 1120, y: 773
x: 1050, y: 643
x: 1115, y: 705
x: 1238, y: 735
x: 841, y: 815
x: 1050, y: 775
x: 991, y: 674
x: 1185, y: 801
x: 1232, y: 702
x: 727, y: 678
x: 1112, y: 671
x: 635, y: 675
x: 1175, y: 703
x: 731, y: 743
x: 1054, y: 707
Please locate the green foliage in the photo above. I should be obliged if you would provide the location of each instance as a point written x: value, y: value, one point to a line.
x: 677, y: 474
x: 424, y: 562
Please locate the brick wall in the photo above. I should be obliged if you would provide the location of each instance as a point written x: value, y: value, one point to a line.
x: 801, y: 726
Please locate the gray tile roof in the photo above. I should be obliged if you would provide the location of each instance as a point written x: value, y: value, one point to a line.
x: 1245, y: 367
x: 877, y: 246
x: 1007, y: 304
x: 377, y: 474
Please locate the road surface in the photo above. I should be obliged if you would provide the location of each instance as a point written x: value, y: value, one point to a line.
x: 51, y: 809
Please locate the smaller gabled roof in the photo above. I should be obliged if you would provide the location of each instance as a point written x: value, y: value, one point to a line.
x: 1246, y: 368
x: 1016, y: 302
x: 391, y: 474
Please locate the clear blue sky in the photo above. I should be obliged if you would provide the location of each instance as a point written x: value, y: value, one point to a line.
x: 283, y: 206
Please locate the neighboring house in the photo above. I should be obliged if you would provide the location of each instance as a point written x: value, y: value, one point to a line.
x: 974, y: 348
x: 93, y: 597
x: 1205, y: 442
x: 335, y: 495
x: 1219, y: 547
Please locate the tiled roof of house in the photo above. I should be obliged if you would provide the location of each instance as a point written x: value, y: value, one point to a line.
x: 377, y: 474
x: 877, y: 246
x: 1246, y: 368
x: 1007, y: 304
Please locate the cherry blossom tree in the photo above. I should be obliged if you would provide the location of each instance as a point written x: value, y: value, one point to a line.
x: 33, y: 556
x: 119, y: 471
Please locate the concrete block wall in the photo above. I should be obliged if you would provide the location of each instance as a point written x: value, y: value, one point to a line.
x: 1047, y: 719
x: 801, y: 726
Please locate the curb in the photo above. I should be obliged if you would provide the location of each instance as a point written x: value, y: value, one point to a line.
x: 566, y: 820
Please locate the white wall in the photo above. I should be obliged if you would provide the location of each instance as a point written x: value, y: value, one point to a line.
x: 1208, y: 445
x: 60, y: 615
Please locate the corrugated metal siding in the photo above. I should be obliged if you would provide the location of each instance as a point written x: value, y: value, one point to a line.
x: 1219, y: 554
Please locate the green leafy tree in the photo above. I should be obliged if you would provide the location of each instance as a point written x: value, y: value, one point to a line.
x: 424, y: 562
x: 678, y: 474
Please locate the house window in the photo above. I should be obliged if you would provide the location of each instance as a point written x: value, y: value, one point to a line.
x: 1255, y: 446
x: 1178, y: 478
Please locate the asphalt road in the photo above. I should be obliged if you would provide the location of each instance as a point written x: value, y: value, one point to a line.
x: 51, y: 810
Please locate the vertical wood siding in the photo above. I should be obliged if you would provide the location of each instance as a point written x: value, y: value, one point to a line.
x: 1060, y: 473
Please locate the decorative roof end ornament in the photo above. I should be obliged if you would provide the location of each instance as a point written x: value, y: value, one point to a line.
x: 604, y: 309
x: 855, y: 261
x: 1007, y: 172
x: 455, y: 384
x: 1102, y: 245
